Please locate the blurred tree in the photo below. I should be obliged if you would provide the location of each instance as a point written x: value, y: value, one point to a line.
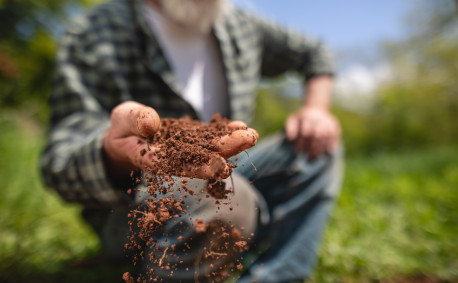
x: 27, y: 46
x: 419, y: 104
x: 416, y: 106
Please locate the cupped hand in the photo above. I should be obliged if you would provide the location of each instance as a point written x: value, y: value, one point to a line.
x: 126, y: 147
x: 131, y: 123
x: 238, y: 140
x: 313, y: 130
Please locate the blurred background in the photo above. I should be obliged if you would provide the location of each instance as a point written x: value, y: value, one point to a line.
x: 397, y: 99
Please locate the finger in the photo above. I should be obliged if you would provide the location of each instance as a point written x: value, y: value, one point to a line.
x: 147, y: 121
x: 215, y: 168
x: 305, y: 135
x: 236, y: 142
x: 301, y: 145
x: 292, y: 128
x: 237, y: 125
x: 316, y: 149
x: 139, y: 152
x: 318, y: 143
x: 132, y: 118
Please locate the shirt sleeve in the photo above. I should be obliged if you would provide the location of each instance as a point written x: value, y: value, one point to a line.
x: 72, y: 162
x: 287, y: 50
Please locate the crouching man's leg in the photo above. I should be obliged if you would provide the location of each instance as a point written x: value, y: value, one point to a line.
x: 299, y: 194
x: 112, y: 229
x: 205, y: 242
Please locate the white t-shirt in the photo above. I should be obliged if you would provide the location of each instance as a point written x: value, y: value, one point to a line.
x: 195, y: 60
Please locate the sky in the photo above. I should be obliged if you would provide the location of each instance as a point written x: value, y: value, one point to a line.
x: 341, y: 24
x: 352, y: 29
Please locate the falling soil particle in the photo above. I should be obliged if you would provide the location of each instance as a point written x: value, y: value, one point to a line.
x: 200, y: 226
x: 127, y: 277
x: 181, y: 145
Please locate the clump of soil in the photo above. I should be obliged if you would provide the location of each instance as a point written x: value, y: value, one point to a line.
x: 200, y: 225
x: 217, y: 189
x: 185, y: 141
x: 181, y: 144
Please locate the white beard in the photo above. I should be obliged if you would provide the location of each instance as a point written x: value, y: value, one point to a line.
x: 199, y: 15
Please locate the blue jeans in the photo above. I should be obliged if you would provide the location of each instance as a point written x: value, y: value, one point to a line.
x: 299, y: 195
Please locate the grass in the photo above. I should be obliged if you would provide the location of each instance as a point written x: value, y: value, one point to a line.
x: 40, y: 235
x: 397, y: 216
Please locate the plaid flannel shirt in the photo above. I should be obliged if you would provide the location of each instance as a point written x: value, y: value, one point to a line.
x: 110, y: 55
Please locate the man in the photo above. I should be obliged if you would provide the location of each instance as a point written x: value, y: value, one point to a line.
x: 196, y: 58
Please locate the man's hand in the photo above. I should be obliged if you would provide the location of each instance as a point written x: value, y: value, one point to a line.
x: 240, y: 139
x: 132, y: 123
x: 314, y: 130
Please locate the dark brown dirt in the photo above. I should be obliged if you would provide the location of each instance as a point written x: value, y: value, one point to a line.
x: 127, y: 277
x: 185, y: 141
x: 178, y: 144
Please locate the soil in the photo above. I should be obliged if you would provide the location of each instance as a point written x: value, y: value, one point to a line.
x: 178, y: 144
x: 185, y: 141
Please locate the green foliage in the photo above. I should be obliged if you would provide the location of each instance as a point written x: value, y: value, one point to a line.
x: 397, y: 213
x: 272, y: 110
x: 416, y: 107
x: 38, y: 232
x: 419, y: 105
x: 396, y: 216
x: 27, y: 49
x: 27, y: 82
